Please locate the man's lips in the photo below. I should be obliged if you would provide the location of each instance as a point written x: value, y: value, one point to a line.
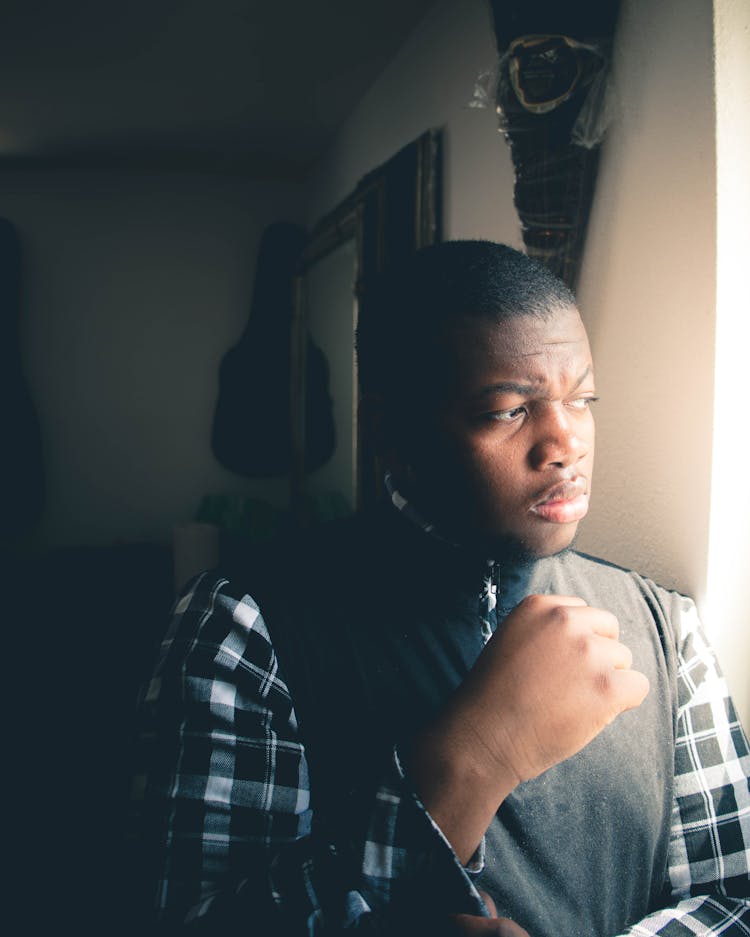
x: 563, y: 503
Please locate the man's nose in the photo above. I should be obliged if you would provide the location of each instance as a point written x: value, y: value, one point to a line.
x: 561, y: 440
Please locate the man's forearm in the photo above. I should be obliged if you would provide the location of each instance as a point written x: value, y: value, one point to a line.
x: 544, y: 686
x: 455, y: 788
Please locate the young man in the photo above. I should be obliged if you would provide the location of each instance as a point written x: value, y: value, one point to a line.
x: 436, y: 712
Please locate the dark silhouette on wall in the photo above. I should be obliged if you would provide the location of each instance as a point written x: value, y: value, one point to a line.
x: 252, y: 423
x: 21, y: 468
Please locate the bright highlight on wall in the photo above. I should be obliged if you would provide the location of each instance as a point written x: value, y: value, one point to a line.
x: 727, y: 601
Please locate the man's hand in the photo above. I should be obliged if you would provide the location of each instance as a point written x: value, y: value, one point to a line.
x: 544, y: 686
x: 472, y: 925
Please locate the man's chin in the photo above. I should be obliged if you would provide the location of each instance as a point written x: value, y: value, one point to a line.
x: 527, y: 550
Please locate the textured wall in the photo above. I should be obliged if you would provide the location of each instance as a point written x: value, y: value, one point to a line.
x: 134, y: 286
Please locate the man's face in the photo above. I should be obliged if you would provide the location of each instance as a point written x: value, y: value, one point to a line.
x: 507, y: 460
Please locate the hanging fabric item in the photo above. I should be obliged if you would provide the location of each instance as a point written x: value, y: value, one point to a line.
x: 251, y: 432
x: 551, y: 99
x: 21, y: 468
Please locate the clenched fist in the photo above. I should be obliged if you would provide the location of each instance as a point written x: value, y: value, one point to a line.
x: 544, y: 686
x: 469, y: 925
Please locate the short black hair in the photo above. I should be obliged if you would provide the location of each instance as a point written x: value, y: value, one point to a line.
x: 408, y: 308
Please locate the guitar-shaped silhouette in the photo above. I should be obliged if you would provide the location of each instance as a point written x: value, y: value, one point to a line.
x: 21, y: 468
x: 251, y: 432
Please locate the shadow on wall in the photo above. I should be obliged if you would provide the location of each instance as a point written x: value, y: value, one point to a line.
x: 81, y: 627
x: 21, y: 472
x: 82, y: 630
x: 252, y: 424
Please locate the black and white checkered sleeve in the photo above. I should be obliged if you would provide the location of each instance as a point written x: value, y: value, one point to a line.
x: 228, y: 798
x: 709, y: 854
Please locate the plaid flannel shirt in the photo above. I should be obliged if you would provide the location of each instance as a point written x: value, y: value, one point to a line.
x: 238, y: 796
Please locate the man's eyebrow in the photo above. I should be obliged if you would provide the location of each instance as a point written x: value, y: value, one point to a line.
x: 525, y: 388
x: 585, y: 373
x: 508, y: 387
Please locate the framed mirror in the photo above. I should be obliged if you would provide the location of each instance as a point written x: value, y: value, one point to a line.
x: 393, y: 211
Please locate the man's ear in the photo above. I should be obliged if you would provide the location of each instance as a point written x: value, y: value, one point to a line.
x: 371, y: 416
x: 381, y: 425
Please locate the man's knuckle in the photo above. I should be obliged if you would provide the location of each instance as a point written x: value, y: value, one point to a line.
x: 582, y: 645
x: 533, y: 602
x: 561, y: 616
x: 603, y: 682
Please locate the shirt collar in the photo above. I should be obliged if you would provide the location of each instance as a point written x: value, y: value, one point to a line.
x: 511, y: 581
x: 488, y: 592
x: 408, y: 509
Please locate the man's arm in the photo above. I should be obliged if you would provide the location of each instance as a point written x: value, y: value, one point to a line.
x: 228, y: 802
x: 708, y: 875
x: 570, y: 676
x: 708, y: 887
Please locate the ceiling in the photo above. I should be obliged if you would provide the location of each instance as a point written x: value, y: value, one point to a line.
x: 255, y: 87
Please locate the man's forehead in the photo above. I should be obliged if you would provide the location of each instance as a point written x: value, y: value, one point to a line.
x: 522, y: 336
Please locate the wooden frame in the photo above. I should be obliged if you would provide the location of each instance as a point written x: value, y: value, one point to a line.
x: 395, y: 210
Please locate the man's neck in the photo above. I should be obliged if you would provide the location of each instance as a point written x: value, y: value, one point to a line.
x: 506, y: 553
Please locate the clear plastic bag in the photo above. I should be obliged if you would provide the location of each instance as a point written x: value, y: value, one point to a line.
x: 551, y: 94
x: 544, y: 74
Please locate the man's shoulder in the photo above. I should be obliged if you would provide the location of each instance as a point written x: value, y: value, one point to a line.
x: 288, y: 548
x: 613, y: 579
x: 598, y: 565
x: 607, y: 568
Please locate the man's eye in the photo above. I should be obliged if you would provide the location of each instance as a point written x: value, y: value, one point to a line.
x: 582, y: 403
x: 506, y: 416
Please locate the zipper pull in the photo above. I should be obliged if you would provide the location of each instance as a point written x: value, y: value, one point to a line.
x: 494, y: 578
x: 489, y: 599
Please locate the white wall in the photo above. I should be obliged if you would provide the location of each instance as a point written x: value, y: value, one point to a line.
x: 729, y: 544
x: 648, y: 283
x: 647, y: 294
x: 134, y: 286
x: 430, y: 83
